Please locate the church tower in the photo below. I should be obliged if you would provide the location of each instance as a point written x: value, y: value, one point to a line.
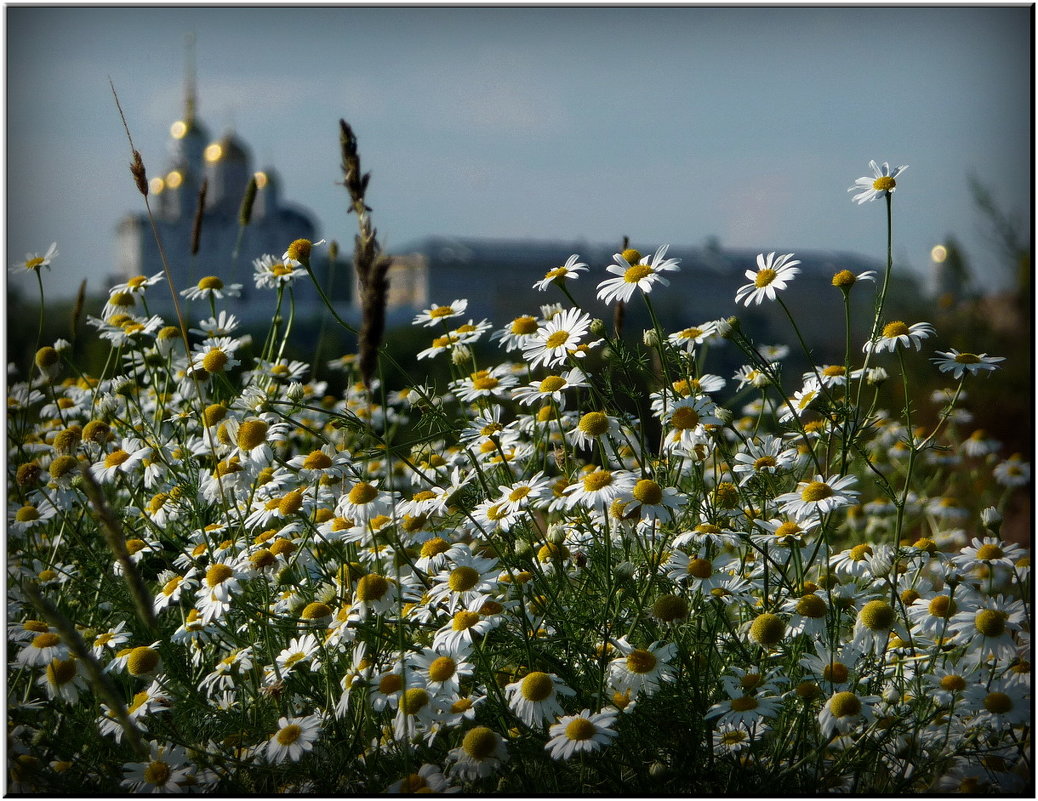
x: 224, y: 166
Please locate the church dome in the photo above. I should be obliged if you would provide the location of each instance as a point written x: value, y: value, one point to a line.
x: 228, y: 149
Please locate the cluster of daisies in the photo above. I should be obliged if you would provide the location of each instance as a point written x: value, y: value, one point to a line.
x: 513, y: 582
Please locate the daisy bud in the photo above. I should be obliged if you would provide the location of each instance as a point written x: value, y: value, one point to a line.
x: 992, y: 519
x: 598, y: 327
x: 844, y: 280
x: 875, y: 376
x: 726, y: 326
x: 625, y: 570
x: 724, y: 415
x: 460, y: 354
x: 650, y: 338
x: 295, y: 392
x: 556, y: 534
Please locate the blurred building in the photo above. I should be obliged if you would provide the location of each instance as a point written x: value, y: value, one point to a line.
x: 497, y: 277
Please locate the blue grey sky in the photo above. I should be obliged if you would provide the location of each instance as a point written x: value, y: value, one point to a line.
x: 666, y: 124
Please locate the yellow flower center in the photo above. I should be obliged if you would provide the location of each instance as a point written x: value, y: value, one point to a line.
x: 700, y: 568
x: 291, y: 503
x: 157, y: 773
x: 362, y: 493
x: 764, y: 277
x: 816, y: 491
x: 215, y: 360
x: 210, y: 282
x: 967, y: 358
x: 252, y: 434
x: 989, y: 551
x: 998, y: 703
x: 648, y: 492
x: 641, y: 661
x: 413, y: 700
x: 788, y: 529
x: 524, y: 325
x: 116, y: 458
x: 217, y: 574
x: 434, y: 546
x: 990, y: 622
x: 844, y: 279
x: 845, y: 704
x: 464, y: 620
x: 480, y: 743
x: 767, y: 629
x: 835, y: 672
x: 316, y: 611
x: 552, y: 383
x: 684, y: 418
x: 631, y: 256
x: 61, y: 671
x: 744, y: 703
x: 317, y: 460
x: 557, y: 339
x: 372, y: 587
x: 811, y: 605
x: 594, y: 424
x: 289, y: 734
x: 895, y: 329
x: 884, y: 183
x: 599, y: 479
x: 953, y: 683
x: 299, y: 250
x: 27, y: 514
x: 463, y: 578
x: 942, y: 606
x: 142, y: 660
x: 280, y: 269
x: 669, y: 608
x: 442, y: 668
x: 632, y: 275
x: 537, y: 686
x: 876, y: 615
x: 859, y: 552
x: 580, y: 729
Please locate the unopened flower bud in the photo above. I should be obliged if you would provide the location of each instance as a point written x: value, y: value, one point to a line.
x: 650, y: 338
x: 598, y: 327
x: 556, y: 534
x: 992, y: 519
x: 625, y: 570
x: 295, y: 392
x: 461, y: 354
x: 876, y: 376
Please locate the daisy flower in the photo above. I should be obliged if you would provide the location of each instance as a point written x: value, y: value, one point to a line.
x: 556, y: 339
x: 428, y: 779
x: 63, y: 679
x: 819, y: 496
x: 635, y: 273
x: 772, y: 274
x: 166, y: 771
x: 845, y: 279
x: 599, y: 487
x: 299, y: 251
x: 550, y: 388
x: 1013, y: 472
x: 881, y: 183
x: 988, y: 551
x: 442, y: 672
x: 210, y: 287
x: 270, y: 273
x: 123, y: 459
x: 688, y: 338
x: 742, y: 708
x: 959, y: 363
x: 642, y: 670
x: 897, y: 334
x: 494, y: 383
x: 517, y: 334
x: 591, y: 427
x: 294, y: 737
x: 430, y: 317
x: 559, y: 275
x: 874, y: 624
x: 481, y: 753
x: 535, y: 698
x: 34, y: 261
x: 580, y: 734
x: 999, y: 703
x: 844, y: 711
x: 651, y: 501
